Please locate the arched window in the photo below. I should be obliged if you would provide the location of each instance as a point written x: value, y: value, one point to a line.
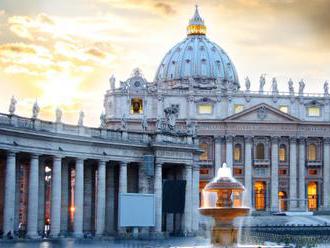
x: 205, y: 155
x: 260, y: 151
x: 312, y: 195
x: 238, y: 153
x: 312, y: 152
x: 282, y: 153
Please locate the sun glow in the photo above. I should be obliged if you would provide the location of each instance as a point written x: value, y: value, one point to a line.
x: 60, y: 90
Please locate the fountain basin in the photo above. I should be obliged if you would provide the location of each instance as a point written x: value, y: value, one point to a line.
x: 225, y: 214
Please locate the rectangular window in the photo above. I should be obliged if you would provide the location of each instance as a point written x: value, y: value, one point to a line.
x: 314, y: 111
x: 312, y: 172
x: 136, y: 106
x: 284, y: 109
x: 205, y: 155
x: 238, y: 108
x: 205, y: 108
x: 238, y: 171
x: 204, y: 171
x: 282, y: 172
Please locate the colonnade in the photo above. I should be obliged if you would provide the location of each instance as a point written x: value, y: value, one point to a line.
x: 190, y: 172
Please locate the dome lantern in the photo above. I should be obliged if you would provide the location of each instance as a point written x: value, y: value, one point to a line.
x: 196, y: 24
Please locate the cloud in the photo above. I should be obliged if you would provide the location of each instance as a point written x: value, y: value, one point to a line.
x: 165, y: 8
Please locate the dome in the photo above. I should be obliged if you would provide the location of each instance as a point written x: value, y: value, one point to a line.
x: 197, y: 57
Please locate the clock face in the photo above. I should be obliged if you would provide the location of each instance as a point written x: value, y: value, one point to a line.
x: 137, y: 84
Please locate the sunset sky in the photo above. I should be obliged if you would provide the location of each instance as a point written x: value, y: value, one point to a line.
x: 62, y: 52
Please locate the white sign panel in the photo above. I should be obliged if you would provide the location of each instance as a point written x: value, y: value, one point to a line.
x: 136, y: 210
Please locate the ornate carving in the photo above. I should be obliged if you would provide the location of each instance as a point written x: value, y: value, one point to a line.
x: 262, y: 112
x: 144, y: 123
x: 326, y: 140
x: 123, y: 122
x: 248, y: 139
x: 293, y: 140
x: 191, y: 128
x: 170, y: 116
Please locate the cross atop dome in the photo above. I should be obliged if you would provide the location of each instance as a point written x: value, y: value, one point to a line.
x: 196, y: 24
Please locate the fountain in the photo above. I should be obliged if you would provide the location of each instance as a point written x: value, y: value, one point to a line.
x: 222, y: 199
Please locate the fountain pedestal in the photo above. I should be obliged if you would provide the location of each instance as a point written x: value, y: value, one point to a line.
x: 222, y: 200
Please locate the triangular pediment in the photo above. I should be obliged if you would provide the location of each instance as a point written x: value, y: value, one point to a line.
x: 262, y: 113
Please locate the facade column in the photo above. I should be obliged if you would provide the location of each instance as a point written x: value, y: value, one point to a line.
x: 100, y: 215
x: 55, y: 224
x: 10, y: 190
x: 301, y: 166
x: 229, y: 150
x: 79, y: 198
x: 32, y: 221
x: 158, y: 191
x: 217, y: 152
x: 195, y: 195
x: 188, y: 198
x: 274, y: 175
x: 248, y: 172
x: 326, y: 174
x: 293, y: 173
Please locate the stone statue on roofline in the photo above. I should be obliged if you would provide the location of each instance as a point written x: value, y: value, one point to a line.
x: 191, y: 128
x: 81, y: 118
x: 262, y: 82
x: 291, y: 88
x: 247, y: 84
x: 12, y: 106
x: 112, y: 81
x: 274, y: 86
x: 102, y: 120
x: 301, y: 87
x: 326, y: 88
x: 58, y: 113
x: 35, y: 110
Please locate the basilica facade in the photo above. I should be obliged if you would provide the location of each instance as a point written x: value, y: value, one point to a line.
x: 162, y: 137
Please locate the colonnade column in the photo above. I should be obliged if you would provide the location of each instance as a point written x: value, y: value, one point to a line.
x: 274, y: 175
x: 302, y: 155
x: 32, y: 221
x: 188, y: 198
x: 217, y: 152
x: 195, y: 195
x: 10, y: 186
x: 158, y: 191
x: 122, y: 186
x: 248, y: 172
x: 229, y: 150
x: 326, y: 174
x: 100, y: 215
x: 143, y: 179
x: 55, y: 224
x: 79, y: 198
x: 293, y: 173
